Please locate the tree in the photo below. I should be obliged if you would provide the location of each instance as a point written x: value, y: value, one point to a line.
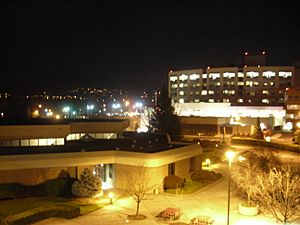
x: 137, y: 186
x: 244, y: 174
x: 163, y: 118
x: 279, y: 193
x: 258, y: 134
x: 88, y: 185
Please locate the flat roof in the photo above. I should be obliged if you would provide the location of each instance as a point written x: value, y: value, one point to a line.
x: 45, y: 121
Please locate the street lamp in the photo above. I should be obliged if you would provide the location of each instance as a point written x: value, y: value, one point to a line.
x: 298, y: 132
x: 110, y: 196
x: 230, y: 156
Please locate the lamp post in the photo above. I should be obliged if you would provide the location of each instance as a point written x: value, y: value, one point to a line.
x: 230, y: 157
x: 298, y: 131
x: 110, y: 196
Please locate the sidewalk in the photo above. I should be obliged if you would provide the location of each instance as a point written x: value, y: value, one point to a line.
x: 210, y: 201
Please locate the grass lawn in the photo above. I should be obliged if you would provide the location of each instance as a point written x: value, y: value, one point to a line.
x: 16, y: 206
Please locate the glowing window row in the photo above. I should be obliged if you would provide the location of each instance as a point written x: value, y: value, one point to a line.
x: 33, y: 142
x: 78, y: 136
x: 250, y: 74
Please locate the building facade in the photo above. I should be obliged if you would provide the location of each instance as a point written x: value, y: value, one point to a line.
x: 33, y: 151
x: 249, y: 85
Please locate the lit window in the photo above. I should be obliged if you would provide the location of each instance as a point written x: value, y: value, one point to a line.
x: 183, y: 77
x: 265, y: 100
x: 249, y: 83
x: 285, y: 74
x: 240, y: 83
x: 226, y: 100
x: 174, y: 85
x: 217, y: 84
x: 265, y: 92
x: 181, y: 85
x: 204, y: 75
x: 181, y: 92
x: 240, y: 100
x: 211, y: 92
x: 252, y: 74
x: 240, y: 74
x: 255, y: 83
x: 181, y: 100
x: 214, y: 75
x: 268, y: 74
x: 194, y: 76
x: 197, y: 100
x: 228, y: 74
x: 173, y: 78
x: 271, y: 83
x: 204, y: 92
x: 211, y: 100
x: 265, y: 84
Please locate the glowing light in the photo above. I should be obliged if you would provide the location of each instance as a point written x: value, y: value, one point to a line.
x: 268, y: 138
x: 57, y: 117
x: 116, y: 105
x: 66, y: 109
x: 208, y: 162
x: 90, y: 107
x: 230, y: 156
x: 138, y: 105
x: 298, y: 124
x: 40, y: 106
x: 127, y: 103
x: 110, y: 195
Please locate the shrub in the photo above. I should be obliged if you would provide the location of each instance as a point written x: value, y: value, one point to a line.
x: 40, y: 213
x: 203, y: 176
x: 173, y: 182
x: 88, y: 186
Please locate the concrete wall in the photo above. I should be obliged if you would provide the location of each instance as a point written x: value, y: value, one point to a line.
x: 156, y: 175
x: 30, y: 176
x: 182, y: 168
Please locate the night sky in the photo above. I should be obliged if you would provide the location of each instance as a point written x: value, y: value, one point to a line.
x: 134, y: 45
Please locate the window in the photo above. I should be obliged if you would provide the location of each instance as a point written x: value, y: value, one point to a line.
x: 204, y: 92
x: 173, y: 78
x: 240, y: 100
x: 252, y: 74
x: 181, y: 100
x: 226, y: 100
x: 268, y: 74
x: 171, y: 169
x: 183, y: 77
x: 211, y: 100
x: 174, y: 85
x: 214, y: 75
x: 265, y: 100
x: 240, y: 74
x: 204, y: 76
x: 181, y: 92
x: 194, y: 77
x: 229, y: 75
x: 285, y: 74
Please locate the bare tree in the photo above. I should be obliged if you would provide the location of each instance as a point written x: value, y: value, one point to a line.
x: 244, y: 174
x: 137, y: 185
x: 279, y: 193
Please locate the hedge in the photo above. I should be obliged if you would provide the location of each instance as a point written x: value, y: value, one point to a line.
x: 55, y: 187
x: 40, y: 213
x: 263, y: 143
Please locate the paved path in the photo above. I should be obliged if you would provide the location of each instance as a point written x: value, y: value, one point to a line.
x: 210, y: 201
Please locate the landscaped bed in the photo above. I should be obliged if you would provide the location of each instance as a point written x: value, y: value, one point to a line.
x: 30, y: 210
x: 198, y: 180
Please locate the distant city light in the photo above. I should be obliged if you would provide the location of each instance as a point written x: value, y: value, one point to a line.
x: 116, y: 105
x: 90, y: 107
x: 138, y: 105
x: 127, y: 103
x: 57, y: 117
x: 66, y: 109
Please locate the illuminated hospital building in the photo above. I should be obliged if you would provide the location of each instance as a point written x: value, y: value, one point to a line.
x: 248, y: 91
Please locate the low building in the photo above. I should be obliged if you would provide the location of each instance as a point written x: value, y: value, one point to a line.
x: 33, y: 151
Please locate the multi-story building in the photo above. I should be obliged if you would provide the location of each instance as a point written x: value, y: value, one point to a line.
x: 292, y: 100
x: 249, y: 85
